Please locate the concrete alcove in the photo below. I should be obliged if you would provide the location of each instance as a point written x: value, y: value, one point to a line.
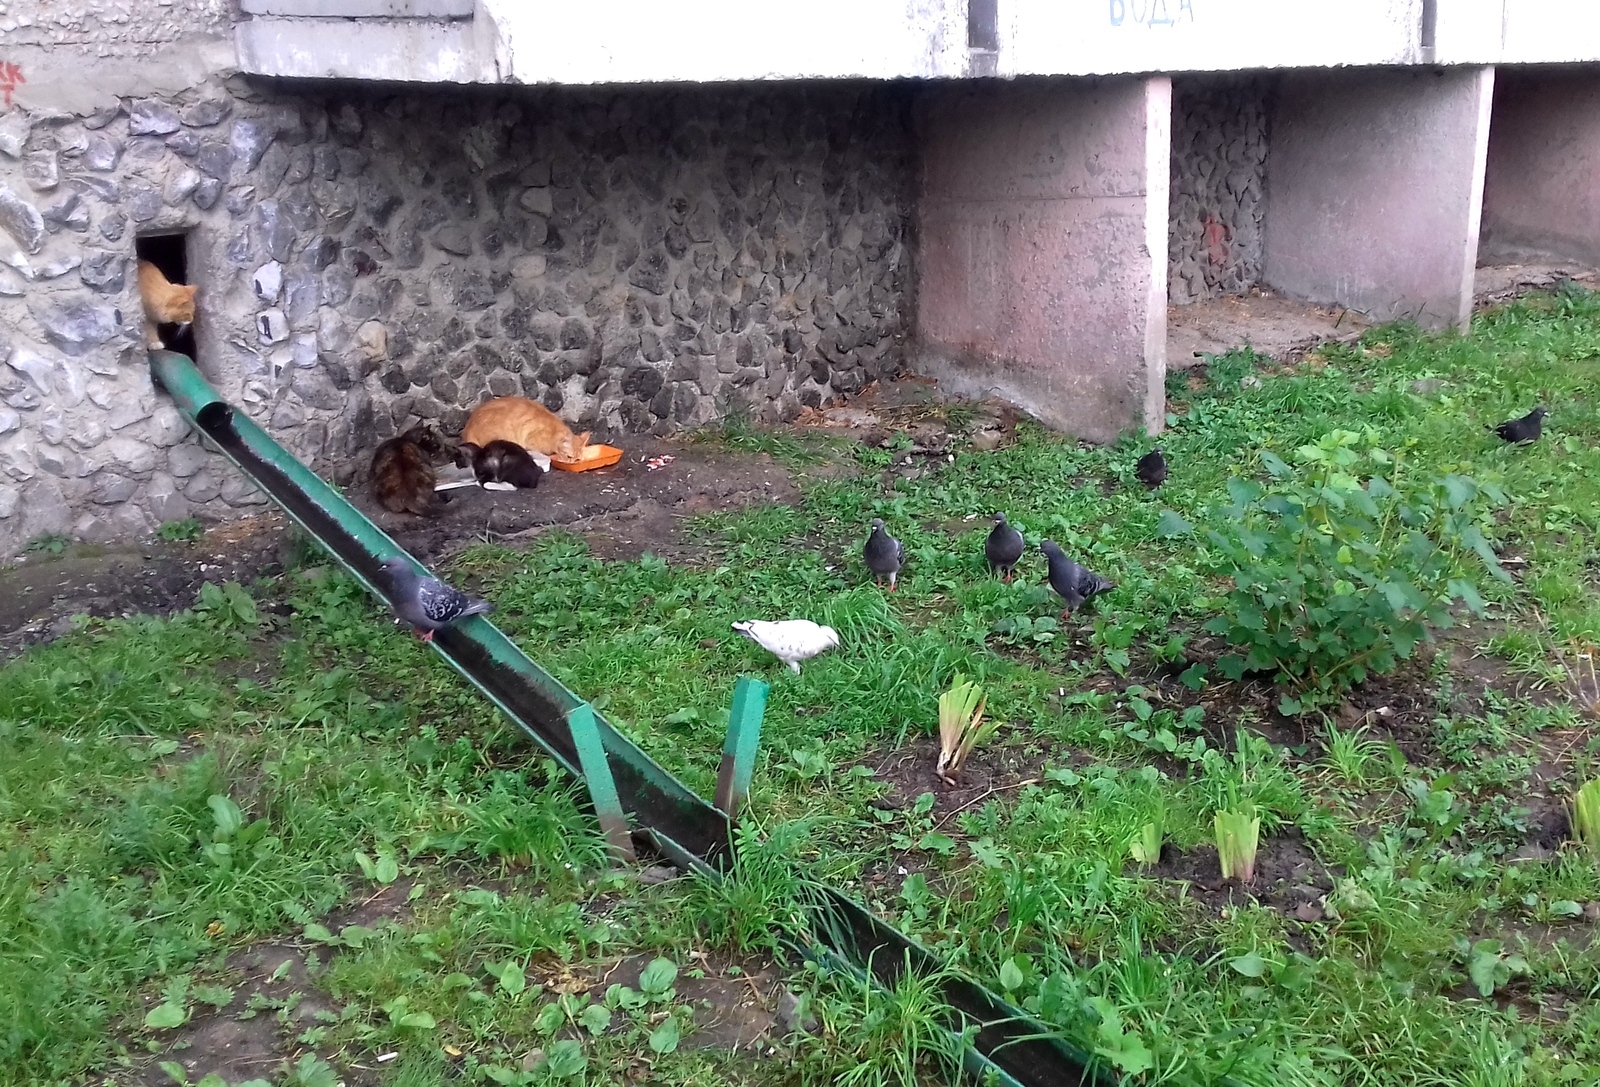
x: 1541, y: 200
x: 1308, y: 204
x: 1375, y: 189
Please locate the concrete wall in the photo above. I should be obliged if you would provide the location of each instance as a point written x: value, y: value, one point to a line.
x: 641, y: 41
x: 1375, y: 191
x: 1219, y: 163
x: 637, y: 261
x: 1041, y: 206
x: 111, y: 27
x: 1542, y: 185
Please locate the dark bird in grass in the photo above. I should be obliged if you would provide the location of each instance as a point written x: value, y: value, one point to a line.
x: 884, y: 554
x: 1526, y: 429
x: 1152, y: 469
x: 1072, y: 583
x: 427, y: 603
x: 1003, y: 548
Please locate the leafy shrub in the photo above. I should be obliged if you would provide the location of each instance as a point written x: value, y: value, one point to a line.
x: 1335, y: 578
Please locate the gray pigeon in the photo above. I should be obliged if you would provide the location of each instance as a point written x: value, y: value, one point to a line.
x: 884, y: 554
x: 427, y: 603
x: 1072, y: 582
x: 1004, y: 546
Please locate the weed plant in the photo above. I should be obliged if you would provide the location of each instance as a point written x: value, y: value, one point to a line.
x: 1339, y: 572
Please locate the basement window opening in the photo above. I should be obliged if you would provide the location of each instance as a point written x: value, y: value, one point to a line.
x: 169, y: 253
x: 983, y: 25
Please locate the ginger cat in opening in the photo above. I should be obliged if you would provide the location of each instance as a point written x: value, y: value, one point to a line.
x: 523, y: 422
x: 165, y: 303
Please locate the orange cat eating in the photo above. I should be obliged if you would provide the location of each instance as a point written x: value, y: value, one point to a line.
x: 523, y: 422
x: 165, y: 303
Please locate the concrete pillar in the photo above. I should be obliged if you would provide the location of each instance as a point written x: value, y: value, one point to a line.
x: 1542, y: 187
x: 1375, y: 188
x: 1042, y: 248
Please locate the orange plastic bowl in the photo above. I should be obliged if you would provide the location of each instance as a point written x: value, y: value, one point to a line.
x: 594, y: 456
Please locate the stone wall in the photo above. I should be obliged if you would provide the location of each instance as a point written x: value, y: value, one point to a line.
x: 640, y: 261
x: 111, y: 26
x: 1219, y: 162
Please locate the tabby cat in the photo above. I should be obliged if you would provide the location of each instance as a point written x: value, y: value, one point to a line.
x: 402, y: 472
x: 522, y: 422
x: 165, y: 303
x: 500, y: 462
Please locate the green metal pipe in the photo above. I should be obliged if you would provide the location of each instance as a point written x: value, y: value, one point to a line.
x: 1013, y: 1050
x: 475, y: 647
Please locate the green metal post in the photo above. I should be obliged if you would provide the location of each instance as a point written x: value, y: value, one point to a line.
x: 602, y: 787
x: 739, y: 748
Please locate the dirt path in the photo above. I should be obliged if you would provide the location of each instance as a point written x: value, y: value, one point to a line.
x: 622, y: 511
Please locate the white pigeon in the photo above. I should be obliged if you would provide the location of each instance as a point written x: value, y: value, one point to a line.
x: 791, y: 640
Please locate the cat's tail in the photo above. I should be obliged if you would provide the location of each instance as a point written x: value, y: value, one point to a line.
x: 429, y: 504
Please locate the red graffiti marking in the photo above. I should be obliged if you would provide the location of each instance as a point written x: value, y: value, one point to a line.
x: 10, y: 76
x: 1216, y: 238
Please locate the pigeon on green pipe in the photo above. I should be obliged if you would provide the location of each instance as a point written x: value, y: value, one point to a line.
x: 427, y: 603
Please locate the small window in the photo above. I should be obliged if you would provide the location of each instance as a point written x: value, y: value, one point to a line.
x: 169, y: 253
x: 983, y: 25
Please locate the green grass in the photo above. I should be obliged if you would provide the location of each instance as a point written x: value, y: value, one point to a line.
x: 173, y: 791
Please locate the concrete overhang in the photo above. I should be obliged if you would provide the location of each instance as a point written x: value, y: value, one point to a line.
x: 406, y: 41
x: 715, y: 41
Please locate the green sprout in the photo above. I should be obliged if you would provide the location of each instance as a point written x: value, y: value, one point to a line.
x: 961, y: 725
x: 1238, y: 833
x: 1585, y: 815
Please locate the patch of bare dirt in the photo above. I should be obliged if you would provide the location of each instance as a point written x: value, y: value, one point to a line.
x: 992, y: 771
x: 1276, y: 327
x: 623, y: 510
x: 245, y: 1039
x: 1474, y: 673
x: 914, y: 414
x: 1288, y: 877
x: 735, y: 1001
x: 1503, y: 281
x: 40, y: 591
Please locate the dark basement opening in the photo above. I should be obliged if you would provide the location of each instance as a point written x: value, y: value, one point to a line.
x: 983, y: 25
x: 170, y: 253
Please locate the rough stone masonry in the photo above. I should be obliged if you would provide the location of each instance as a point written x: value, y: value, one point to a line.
x: 1219, y: 161
x: 639, y: 261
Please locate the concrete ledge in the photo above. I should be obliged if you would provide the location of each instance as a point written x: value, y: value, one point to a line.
x: 392, y: 50
x: 361, y: 9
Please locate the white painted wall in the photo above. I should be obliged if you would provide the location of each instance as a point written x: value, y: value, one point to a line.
x: 1517, y: 31
x: 707, y: 41
x: 1102, y: 37
x: 1538, y: 31
x: 405, y: 51
x: 710, y: 41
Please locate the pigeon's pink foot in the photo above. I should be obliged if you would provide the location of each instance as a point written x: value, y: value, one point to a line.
x: 425, y: 635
